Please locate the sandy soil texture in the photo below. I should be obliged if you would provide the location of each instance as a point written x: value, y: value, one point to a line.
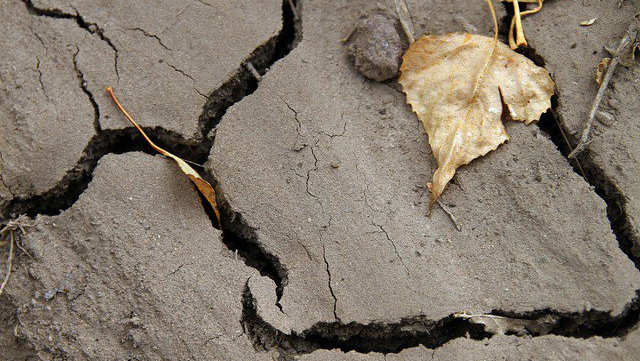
x: 325, y: 252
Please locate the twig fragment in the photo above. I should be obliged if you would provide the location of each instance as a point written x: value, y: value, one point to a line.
x: 588, y: 22
x: 9, y: 264
x: 502, y: 325
x: 253, y: 71
x: 627, y: 45
x: 405, y: 19
x: 294, y: 10
x: 9, y: 231
x: 516, y: 22
x: 453, y: 218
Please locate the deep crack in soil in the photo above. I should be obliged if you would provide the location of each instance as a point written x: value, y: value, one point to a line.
x: 243, y: 82
x: 237, y: 235
x: 119, y: 141
x: 583, y: 165
x: 415, y: 331
x: 551, y: 123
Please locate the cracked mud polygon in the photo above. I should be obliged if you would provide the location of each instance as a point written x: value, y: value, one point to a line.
x: 325, y: 252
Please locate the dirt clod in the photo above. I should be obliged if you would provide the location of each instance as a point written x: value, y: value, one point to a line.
x: 375, y: 48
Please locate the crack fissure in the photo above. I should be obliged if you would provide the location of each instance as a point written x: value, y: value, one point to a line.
x: 153, y: 36
x: 67, y: 191
x: 85, y: 89
x: 594, y: 175
x: 91, y: 28
x: 243, y: 83
x: 335, y: 299
x: 393, y: 245
x: 4, y: 183
x: 180, y: 71
x: 40, y: 78
x: 552, y: 123
x: 238, y: 235
x: 393, y: 337
x: 110, y: 141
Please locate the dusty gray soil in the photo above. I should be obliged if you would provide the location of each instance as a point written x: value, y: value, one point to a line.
x: 325, y: 251
x: 572, y: 56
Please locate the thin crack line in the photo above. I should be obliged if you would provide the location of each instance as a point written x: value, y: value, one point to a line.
x: 149, y: 35
x: 178, y: 70
x: 315, y: 168
x: 295, y: 116
x: 40, y: 78
x: 203, y: 3
x: 335, y: 299
x: 83, y: 86
x: 344, y: 129
x: 91, y: 28
x: 175, y: 270
x: 6, y: 186
x: 46, y: 51
x: 395, y: 249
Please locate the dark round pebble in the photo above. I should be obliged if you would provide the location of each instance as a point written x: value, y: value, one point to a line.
x: 375, y: 48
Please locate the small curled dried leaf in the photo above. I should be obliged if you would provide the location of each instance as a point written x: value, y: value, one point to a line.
x: 602, y: 68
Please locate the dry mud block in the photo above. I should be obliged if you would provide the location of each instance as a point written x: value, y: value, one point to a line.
x: 46, y: 119
x: 572, y: 53
x: 329, y: 170
x: 547, y: 348
x: 134, y: 270
x: 165, y: 61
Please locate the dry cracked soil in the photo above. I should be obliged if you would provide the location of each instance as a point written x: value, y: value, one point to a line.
x: 324, y: 252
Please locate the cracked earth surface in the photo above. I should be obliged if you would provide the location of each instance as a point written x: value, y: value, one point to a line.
x: 325, y: 251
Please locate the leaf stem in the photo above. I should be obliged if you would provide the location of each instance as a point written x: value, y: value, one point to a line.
x: 126, y: 114
x: 203, y: 186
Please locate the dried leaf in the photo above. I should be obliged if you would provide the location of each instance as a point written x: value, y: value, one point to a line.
x: 588, y: 22
x: 500, y: 325
x: 602, y: 67
x: 203, y: 186
x: 457, y: 83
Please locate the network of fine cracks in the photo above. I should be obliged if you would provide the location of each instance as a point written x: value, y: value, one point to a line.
x: 239, y: 236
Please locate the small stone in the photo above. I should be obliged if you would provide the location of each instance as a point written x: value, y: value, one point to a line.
x: 376, y: 48
x: 50, y: 294
x: 335, y: 164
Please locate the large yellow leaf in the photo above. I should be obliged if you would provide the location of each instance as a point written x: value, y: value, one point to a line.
x: 457, y: 83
